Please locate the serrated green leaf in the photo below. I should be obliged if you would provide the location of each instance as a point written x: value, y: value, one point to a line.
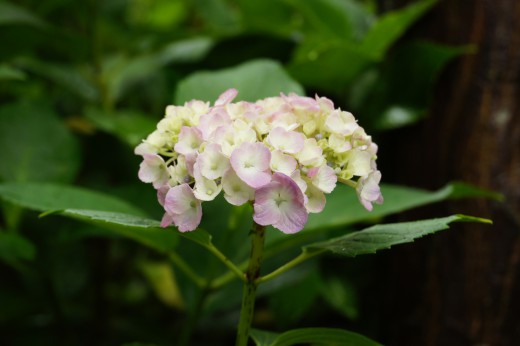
x: 319, y: 336
x: 381, y: 237
x: 391, y: 26
x: 14, y: 247
x: 343, y: 207
x: 36, y: 145
x: 47, y: 196
x: 12, y: 14
x: 129, y: 126
x: 254, y: 80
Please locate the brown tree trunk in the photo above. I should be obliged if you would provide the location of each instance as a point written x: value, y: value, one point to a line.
x: 464, y: 285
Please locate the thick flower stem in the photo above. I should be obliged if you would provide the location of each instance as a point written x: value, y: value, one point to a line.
x: 249, y: 291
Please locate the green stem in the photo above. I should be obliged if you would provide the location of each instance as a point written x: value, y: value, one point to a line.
x: 186, y: 269
x: 249, y: 291
x: 289, y: 265
x: 215, y: 251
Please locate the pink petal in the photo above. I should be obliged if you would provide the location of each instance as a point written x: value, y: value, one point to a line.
x: 180, y: 199
x: 287, y: 141
x: 188, y: 221
x: 167, y: 220
x: 211, y: 121
x: 190, y: 139
x: 226, y: 97
x: 281, y: 204
x: 250, y: 161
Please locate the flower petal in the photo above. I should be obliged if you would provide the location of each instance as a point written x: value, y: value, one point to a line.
x: 183, y: 208
x: 281, y: 204
x: 236, y: 192
x: 287, y: 141
x: 190, y: 139
x: 282, y: 163
x: 226, y: 97
x: 250, y: 161
x: 213, y: 164
x: 205, y: 189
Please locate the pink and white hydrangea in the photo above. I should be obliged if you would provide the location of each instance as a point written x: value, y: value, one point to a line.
x: 281, y: 154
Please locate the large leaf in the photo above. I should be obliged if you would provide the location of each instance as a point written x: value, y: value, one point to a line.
x: 254, y: 80
x: 13, y: 14
x: 343, y: 207
x: 321, y: 336
x: 129, y: 126
x: 14, y: 247
x: 328, y: 18
x: 322, y: 63
x: 399, y: 92
x: 381, y: 237
x: 36, y: 145
x: 391, y: 26
x: 143, y: 230
x: 46, y: 196
x: 68, y: 77
x: 8, y: 72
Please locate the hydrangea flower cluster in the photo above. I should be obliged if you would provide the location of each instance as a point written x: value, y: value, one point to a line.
x: 283, y: 154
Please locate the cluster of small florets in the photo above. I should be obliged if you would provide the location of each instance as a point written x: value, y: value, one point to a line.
x: 283, y: 154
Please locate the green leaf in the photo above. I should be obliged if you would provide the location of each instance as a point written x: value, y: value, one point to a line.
x: 122, y: 73
x: 343, y: 209
x: 68, y: 77
x: 36, y: 145
x: 12, y: 14
x: 281, y: 17
x: 163, y: 281
x: 391, y: 26
x: 321, y: 336
x: 310, y: 58
x: 341, y: 294
x: 254, y: 80
x: 397, y: 199
x: 46, y: 196
x: 199, y: 236
x: 14, y: 247
x: 381, y: 237
x: 292, y: 301
x: 399, y: 116
x: 8, y: 72
x: 143, y: 230
x: 129, y: 126
x: 328, y: 18
x: 262, y: 337
x: 399, y: 92
x: 189, y: 50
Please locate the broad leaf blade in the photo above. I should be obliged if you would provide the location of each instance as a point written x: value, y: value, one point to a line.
x: 262, y: 337
x: 14, y: 247
x: 254, y: 80
x: 129, y: 126
x: 12, y: 14
x: 145, y: 231
x: 47, y: 196
x: 321, y: 336
x: 381, y: 237
x: 343, y: 207
x: 391, y: 26
x: 36, y: 145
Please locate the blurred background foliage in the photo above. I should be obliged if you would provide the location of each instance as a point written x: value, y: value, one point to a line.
x: 82, y: 82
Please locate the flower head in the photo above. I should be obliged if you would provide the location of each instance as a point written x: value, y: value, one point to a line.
x: 282, y: 154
